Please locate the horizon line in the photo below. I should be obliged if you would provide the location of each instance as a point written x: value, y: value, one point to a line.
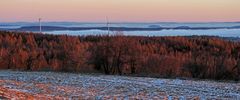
x: 123, y: 22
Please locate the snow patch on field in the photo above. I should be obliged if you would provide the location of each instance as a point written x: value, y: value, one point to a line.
x: 70, y: 86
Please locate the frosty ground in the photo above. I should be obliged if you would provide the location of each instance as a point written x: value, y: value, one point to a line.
x: 53, y: 85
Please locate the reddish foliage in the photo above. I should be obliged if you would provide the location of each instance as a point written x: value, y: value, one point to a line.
x: 197, y: 57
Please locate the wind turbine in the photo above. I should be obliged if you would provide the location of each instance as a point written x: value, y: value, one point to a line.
x: 108, y: 26
x: 40, y: 25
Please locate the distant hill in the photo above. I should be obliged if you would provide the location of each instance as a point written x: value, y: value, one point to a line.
x: 150, y: 28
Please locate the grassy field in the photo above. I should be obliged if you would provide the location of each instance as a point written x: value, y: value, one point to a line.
x: 51, y: 85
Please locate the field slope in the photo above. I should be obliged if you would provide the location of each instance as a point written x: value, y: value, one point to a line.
x: 51, y: 85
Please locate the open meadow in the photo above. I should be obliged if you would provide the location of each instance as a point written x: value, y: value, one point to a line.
x: 54, y: 85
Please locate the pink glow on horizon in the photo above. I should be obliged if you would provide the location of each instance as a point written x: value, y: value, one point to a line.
x: 120, y: 10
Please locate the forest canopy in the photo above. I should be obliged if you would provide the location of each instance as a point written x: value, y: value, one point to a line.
x: 195, y: 57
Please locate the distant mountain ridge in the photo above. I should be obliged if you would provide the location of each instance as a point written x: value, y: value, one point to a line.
x: 151, y: 28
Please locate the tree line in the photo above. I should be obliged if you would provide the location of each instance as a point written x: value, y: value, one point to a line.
x: 195, y: 57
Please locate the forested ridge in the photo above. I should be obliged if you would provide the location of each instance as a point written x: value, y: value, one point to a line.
x: 194, y: 57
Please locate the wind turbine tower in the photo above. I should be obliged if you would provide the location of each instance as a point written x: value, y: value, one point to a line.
x: 108, y: 29
x: 40, y: 25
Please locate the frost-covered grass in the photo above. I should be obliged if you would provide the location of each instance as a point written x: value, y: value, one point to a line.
x: 43, y: 85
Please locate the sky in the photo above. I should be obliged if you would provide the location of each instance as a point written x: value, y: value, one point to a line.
x: 120, y: 10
